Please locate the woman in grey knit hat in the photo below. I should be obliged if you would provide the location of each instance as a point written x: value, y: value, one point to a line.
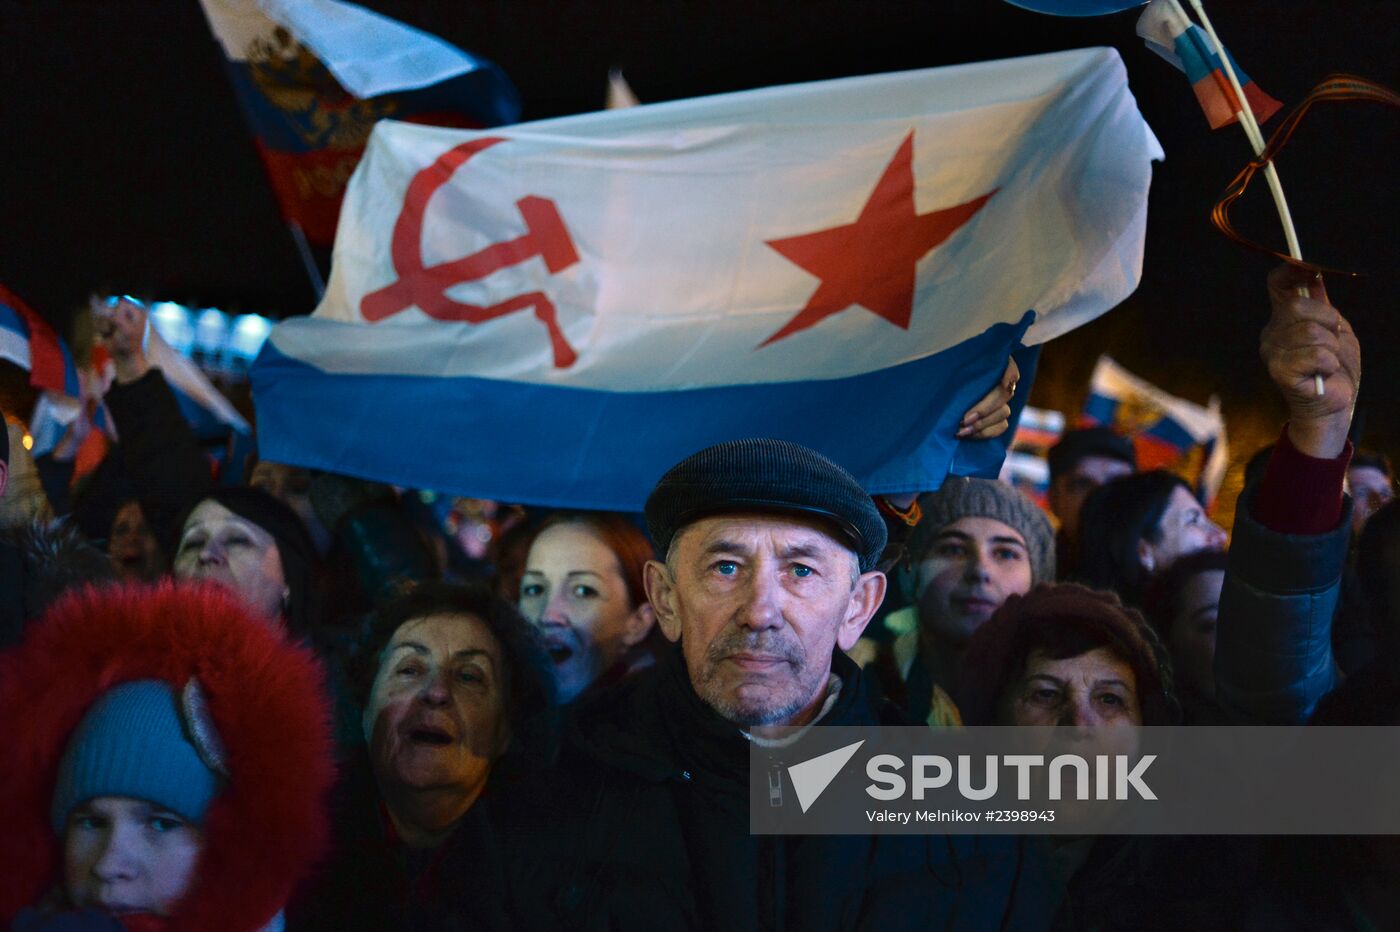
x: 978, y: 542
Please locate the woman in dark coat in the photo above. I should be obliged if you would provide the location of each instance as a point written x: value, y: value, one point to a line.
x: 456, y: 695
x: 1070, y: 656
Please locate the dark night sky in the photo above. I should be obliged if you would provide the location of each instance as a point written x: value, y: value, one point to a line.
x: 126, y: 164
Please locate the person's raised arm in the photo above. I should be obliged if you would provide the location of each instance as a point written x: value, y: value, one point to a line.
x: 159, y: 449
x: 1273, y: 656
x: 1307, y: 338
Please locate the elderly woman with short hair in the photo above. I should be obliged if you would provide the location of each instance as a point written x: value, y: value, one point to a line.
x: 455, y: 692
x: 1070, y: 656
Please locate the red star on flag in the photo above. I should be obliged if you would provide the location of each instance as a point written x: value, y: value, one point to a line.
x: 873, y: 261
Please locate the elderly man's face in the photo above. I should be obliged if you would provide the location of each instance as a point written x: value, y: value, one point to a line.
x: 759, y: 602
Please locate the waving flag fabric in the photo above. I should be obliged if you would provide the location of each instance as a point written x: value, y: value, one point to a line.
x: 313, y: 77
x: 204, y: 406
x: 1167, y: 432
x: 28, y: 341
x: 557, y: 312
x: 1168, y: 32
x: 1027, y: 466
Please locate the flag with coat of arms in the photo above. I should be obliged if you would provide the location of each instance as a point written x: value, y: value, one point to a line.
x: 1167, y: 432
x: 313, y: 77
x: 555, y: 312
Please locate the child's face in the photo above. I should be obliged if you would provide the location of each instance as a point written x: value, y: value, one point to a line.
x: 123, y: 855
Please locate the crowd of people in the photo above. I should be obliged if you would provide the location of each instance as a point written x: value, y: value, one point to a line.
x: 297, y: 704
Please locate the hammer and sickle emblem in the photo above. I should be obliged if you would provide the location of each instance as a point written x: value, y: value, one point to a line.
x: 545, y: 236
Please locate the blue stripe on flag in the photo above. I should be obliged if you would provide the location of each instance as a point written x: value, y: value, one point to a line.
x: 1169, y: 431
x: 276, y: 128
x: 205, y: 423
x: 12, y: 324
x: 1101, y: 409
x: 1198, y: 58
x: 11, y: 320
x: 585, y: 448
x: 485, y: 95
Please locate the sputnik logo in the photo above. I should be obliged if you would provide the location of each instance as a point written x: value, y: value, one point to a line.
x: 811, y: 777
x: 545, y: 236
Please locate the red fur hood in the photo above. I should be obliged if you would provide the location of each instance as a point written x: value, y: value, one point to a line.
x: 265, y: 695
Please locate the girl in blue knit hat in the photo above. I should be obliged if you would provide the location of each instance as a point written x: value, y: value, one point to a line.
x: 171, y: 755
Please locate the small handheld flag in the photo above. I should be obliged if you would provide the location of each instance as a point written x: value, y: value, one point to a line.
x: 29, y: 342
x: 1167, y: 32
x: 1026, y: 466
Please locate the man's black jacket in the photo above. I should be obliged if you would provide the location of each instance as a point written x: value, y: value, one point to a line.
x: 644, y: 824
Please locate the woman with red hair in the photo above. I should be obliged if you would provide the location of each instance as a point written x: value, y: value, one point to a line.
x: 167, y: 757
x: 582, y: 587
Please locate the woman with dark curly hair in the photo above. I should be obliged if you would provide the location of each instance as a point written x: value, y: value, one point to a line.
x: 1133, y: 528
x: 456, y: 693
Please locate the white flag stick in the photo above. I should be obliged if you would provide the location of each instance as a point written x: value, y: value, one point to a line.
x: 1250, y: 125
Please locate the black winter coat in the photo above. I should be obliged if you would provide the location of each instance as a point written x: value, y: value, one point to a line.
x: 39, y: 563
x: 159, y: 451
x: 370, y: 881
x: 644, y: 825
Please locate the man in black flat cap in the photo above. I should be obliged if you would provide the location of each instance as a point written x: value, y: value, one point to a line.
x: 768, y: 575
x: 770, y: 553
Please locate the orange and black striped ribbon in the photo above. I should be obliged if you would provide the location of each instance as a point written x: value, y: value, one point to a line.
x: 1335, y: 89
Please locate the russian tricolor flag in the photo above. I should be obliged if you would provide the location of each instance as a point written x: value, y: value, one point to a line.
x: 1167, y: 432
x: 29, y: 342
x: 314, y: 76
x: 1168, y: 32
